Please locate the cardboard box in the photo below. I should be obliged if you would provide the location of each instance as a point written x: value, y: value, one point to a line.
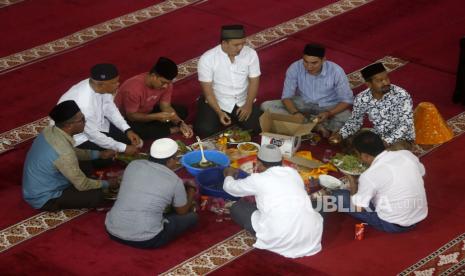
x: 284, y: 131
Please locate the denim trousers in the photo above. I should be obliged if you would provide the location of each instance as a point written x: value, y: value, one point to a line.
x: 370, y: 217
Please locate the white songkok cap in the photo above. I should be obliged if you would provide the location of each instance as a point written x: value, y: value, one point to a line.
x: 270, y: 153
x: 163, y: 148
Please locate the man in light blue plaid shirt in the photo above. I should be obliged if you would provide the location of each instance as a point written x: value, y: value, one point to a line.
x: 315, y: 88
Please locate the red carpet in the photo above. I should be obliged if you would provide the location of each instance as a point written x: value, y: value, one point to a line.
x: 57, y: 19
x: 398, y: 28
x: 382, y: 252
x: 54, y: 76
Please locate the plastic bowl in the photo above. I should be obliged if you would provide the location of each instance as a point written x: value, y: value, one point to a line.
x: 211, y: 181
x: 194, y: 157
x: 241, y: 146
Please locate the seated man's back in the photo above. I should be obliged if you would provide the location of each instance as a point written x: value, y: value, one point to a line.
x: 146, y: 190
x: 395, y: 180
x: 283, y: 219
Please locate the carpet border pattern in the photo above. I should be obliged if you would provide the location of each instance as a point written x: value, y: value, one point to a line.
x: 74, y: 40
x: 6, y: 3
x: 457, y: 123
x: 283, y: 30
x: 13, y: 137
x: 34, y: 226
x: 19, y: 231
x: 449, y: 259
x: 216, y: 256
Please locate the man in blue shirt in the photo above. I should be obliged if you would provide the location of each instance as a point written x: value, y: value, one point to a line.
x: 315, y: 89
x: 52, y: 179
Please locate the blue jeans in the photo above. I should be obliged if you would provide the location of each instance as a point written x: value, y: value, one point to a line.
x: 176, y: 225
x: 371, y: 218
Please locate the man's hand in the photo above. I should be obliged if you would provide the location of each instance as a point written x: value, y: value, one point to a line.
x: 107, y: 154
x: 244, y: 112
x: 224, y: 118
x: 165, y: 116
x: 131, y: 150
x: 230, y: 171
x: 186, y: 130
x: 353, y: 183
x: 133, y: 137
x: 113, y: 183
x: 191, y: 188
x: 336, y: 138
x: 300, y: 117
x: 190, y: 184
x: 323, y: 116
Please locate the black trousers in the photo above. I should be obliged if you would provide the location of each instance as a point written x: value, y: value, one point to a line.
x: 114, y: 133
x: 207, y: 122
x: 241, y: 213
x: 459, y: 93
x: 172, y: 228
x: 156, y: 129
x: 71, y: 198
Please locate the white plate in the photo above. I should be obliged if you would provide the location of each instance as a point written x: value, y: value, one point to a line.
x: 207, y: 145
x: 329, y: 181
x: 248, y: 151
x: 337, y: 164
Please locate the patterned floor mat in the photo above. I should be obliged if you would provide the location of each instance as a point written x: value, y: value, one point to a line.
x: 447, y: 260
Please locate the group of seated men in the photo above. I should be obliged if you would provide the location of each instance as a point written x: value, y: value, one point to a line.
x: 96, y: 119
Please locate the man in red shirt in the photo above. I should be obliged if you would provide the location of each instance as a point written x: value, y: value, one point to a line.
x: 145, y: 101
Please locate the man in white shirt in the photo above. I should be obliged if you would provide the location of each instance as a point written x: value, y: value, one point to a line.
x: 283, y: 219
x: 105, y: 127
x: 390, y: 194
x: 229, y: 77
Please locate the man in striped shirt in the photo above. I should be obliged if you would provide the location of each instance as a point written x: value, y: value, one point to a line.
x: 315, y: 88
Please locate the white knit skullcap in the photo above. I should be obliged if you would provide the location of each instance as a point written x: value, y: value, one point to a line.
x: 270, y: 153
x: 163, y: 148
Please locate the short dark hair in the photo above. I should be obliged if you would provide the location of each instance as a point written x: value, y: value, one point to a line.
x: 165, y: 68
x: 270, y: 164
x: 368, y: 142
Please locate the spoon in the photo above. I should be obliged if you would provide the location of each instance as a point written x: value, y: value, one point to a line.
x: 203, y: 162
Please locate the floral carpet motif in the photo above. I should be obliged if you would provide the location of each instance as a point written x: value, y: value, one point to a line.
x: 447, y: 260
x: 4, y: 3
x: 269, y: 36
x: 215, y: 256
x: 13, y: 61
x: 34, y: 226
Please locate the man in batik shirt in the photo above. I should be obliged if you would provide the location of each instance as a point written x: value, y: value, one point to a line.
x: 389, y: 109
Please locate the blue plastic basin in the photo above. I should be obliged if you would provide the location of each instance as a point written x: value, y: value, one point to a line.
x: 211, y: 181
x: 194, y: 157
